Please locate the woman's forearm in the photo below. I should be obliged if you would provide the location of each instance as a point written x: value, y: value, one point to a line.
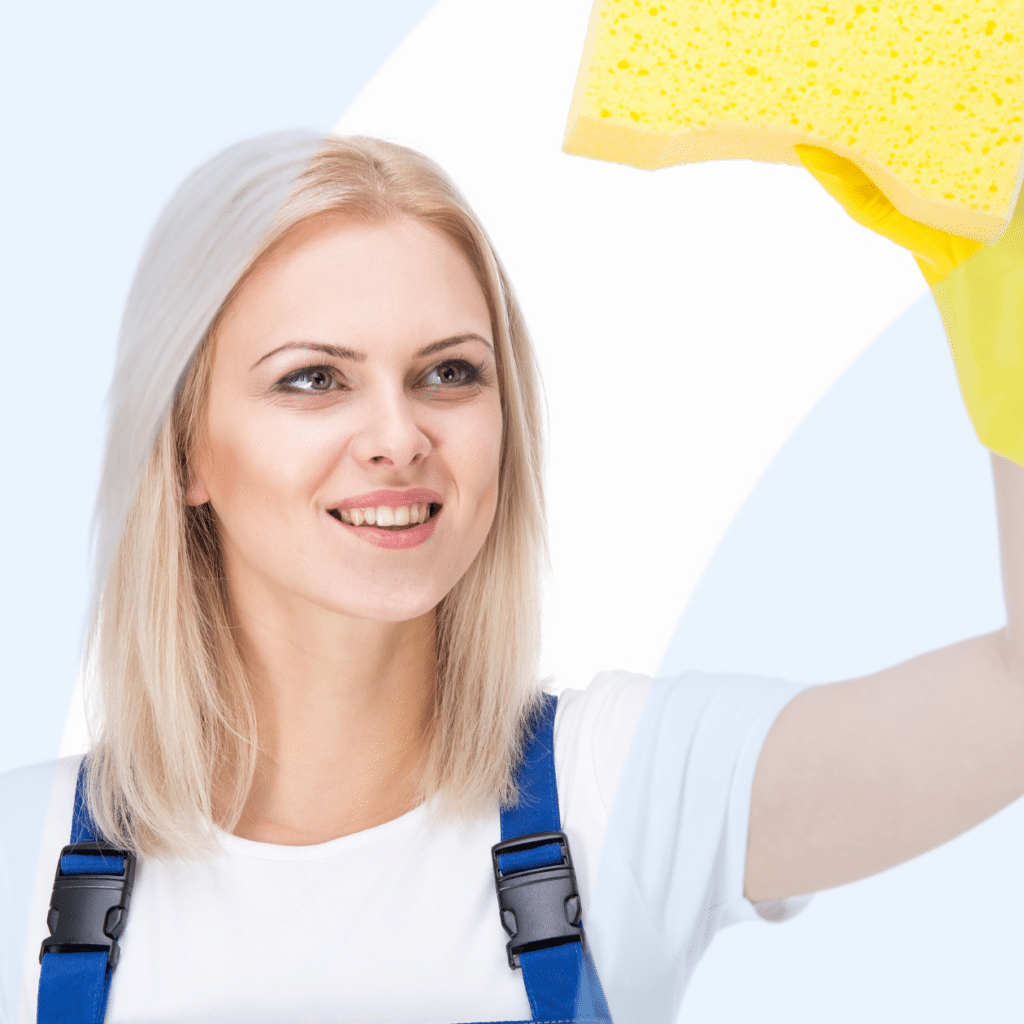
x: 858, y: 776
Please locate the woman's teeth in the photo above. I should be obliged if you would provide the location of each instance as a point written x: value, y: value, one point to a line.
x: 385, y: 517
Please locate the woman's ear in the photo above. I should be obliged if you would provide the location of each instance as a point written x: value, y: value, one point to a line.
x: 196, y: 492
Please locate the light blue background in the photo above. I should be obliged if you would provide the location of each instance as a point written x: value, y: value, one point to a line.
x: 107, y: 106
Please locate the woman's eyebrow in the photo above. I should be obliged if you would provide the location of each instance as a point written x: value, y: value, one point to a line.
x: 360, y: 357
x: 456, y: 339
x: 314, y: 346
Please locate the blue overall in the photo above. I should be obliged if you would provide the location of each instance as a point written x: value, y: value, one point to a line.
x: 538, y: 901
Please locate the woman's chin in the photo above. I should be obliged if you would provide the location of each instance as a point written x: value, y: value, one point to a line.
x: 386, y: 606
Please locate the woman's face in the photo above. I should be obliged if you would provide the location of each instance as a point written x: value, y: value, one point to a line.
x: 354, y: 423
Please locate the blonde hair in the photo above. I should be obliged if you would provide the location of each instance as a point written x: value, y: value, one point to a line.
x: 176, y: 730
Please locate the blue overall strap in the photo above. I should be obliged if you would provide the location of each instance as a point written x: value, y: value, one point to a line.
x: 537, y: 892
x: 87, y: 914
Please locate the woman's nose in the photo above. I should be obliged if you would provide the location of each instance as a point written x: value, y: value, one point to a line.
x: 390, y: 435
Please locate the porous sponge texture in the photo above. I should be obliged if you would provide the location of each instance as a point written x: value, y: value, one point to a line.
x: 928, y: 98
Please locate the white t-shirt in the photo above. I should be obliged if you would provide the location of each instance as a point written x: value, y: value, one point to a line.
x: 399, y: 923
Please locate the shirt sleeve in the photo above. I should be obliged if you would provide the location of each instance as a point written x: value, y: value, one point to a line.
x: 672, y: 864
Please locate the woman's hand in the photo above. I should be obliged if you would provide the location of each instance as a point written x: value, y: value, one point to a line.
x: 979, y: 291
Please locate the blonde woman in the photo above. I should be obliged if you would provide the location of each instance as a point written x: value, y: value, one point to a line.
x: 320, y: 528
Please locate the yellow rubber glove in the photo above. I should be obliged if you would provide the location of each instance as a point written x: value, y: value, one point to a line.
x: 979, y: 291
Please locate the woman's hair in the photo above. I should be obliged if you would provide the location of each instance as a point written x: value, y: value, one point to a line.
x: 173, y: 711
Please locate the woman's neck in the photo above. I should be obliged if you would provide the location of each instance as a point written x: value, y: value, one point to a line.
x: 345, y: 708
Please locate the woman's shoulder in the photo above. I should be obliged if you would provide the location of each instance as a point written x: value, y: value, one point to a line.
x: 26, y: 796
x: 620, y: 696
x: 36, y: 803
x: 35, y: 821
x: 594, y: 729
x: 597, y: 727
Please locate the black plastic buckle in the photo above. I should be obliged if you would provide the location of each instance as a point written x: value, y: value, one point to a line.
x: 540, y: 907
x: 88, y: 912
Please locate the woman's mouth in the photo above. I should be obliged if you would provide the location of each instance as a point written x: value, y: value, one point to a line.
x: 386, y: 517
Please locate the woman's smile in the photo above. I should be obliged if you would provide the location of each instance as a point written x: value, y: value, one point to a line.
x: 391, y: 519
x: 354, y: 423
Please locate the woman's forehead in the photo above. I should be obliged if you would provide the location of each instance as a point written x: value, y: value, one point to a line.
x: 396, y: 282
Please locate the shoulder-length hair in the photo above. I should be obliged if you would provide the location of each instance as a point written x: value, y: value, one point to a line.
x: 173, y: 713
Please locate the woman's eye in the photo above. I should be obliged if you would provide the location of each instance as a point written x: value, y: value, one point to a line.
x: 452, y: 373
x: 313, y: 378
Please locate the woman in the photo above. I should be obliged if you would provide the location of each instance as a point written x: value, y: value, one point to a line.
x: 320, y: 524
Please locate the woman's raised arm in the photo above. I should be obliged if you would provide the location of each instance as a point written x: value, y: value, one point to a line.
x: 861, y: 775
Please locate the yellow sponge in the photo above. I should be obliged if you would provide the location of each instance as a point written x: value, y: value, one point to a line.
x: 927, y: 98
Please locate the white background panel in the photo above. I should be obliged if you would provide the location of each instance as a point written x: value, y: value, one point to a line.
x: 686, y: 320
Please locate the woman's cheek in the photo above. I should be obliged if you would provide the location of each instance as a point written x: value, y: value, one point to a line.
x: 486, y: 452
x: 284, y: 455
x: 474, y: 454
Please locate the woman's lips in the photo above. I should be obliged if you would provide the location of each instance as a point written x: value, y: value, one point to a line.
x: 391, y: 498
x: 389, y: 526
